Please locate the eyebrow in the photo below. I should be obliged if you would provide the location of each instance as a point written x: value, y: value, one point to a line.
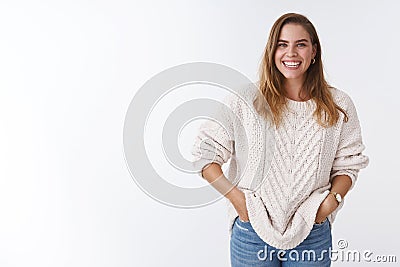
x: 298, y: 41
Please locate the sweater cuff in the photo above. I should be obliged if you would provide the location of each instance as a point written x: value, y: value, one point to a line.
x: 201, y: 164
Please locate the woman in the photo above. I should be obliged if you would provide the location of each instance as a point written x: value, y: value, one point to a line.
x: 286, y: 184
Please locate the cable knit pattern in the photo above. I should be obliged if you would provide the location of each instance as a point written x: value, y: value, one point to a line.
x: 285, y: 172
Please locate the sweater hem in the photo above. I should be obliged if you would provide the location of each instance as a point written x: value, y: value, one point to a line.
x: 297, y: 230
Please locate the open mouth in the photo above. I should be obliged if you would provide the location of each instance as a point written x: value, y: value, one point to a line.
x: 291, y: 64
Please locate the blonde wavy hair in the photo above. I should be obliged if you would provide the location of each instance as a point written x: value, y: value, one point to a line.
x: 270, y: 84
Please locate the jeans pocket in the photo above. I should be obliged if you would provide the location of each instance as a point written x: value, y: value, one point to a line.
x: 242, y: 225
x: 242, y: 221
x: 319, y: 225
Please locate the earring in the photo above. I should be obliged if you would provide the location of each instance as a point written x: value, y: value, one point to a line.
x: 313, y: 61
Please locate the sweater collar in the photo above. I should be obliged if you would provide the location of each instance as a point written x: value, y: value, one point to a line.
x: 300, y: 106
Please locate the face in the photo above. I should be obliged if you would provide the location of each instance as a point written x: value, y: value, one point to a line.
x: 294, y: 52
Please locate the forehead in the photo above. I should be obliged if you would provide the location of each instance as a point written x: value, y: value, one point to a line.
x: 293, y: 32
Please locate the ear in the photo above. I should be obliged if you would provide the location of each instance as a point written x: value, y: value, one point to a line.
x: 314, y: 51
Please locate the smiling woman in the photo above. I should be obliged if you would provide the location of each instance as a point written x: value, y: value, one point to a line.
x: 311, y: 153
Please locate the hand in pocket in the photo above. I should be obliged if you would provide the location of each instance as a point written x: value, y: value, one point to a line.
x: 327, y: 207
x: 238, y: 200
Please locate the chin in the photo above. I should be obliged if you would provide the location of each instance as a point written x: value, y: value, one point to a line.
x: 292, y: 76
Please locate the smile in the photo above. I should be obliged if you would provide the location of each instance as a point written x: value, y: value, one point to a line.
x: 291, y: 64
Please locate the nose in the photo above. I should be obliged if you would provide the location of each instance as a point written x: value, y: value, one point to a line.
x: 291, y: 52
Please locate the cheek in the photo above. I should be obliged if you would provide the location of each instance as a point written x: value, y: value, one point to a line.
x: 307, y: 54
x: 277, y: 58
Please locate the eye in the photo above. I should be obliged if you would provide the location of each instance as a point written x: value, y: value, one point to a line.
x: 301, y: 44
x: 282, y: 45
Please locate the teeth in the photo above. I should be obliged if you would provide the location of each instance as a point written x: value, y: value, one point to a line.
x: 292, y: 64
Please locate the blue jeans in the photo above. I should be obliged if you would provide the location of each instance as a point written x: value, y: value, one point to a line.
x: 248, y: 249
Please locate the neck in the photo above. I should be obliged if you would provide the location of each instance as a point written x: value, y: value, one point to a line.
x: 293, y: 89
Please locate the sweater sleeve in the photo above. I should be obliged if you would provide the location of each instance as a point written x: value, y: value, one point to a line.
x: 349, y: 158
x: 214, y: 142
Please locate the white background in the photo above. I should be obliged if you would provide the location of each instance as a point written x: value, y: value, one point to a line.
x: 68, y: 71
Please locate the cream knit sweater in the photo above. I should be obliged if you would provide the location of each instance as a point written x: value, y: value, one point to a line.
x: 285, y: 172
